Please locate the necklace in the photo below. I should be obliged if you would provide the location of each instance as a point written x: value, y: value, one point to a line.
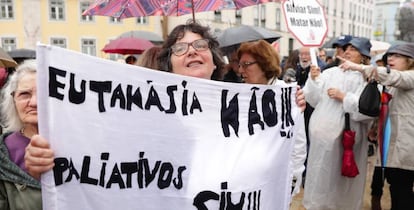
x: 22, y: 131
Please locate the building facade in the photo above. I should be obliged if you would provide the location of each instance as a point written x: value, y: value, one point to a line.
x: 385, y: 20
x: 23, y: 23
x: 353, y: 17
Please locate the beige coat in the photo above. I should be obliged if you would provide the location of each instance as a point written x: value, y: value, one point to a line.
x: 401, y: 113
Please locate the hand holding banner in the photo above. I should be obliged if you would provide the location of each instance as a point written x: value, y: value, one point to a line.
x: 125, y: 136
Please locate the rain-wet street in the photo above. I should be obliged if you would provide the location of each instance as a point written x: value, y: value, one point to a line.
x: 385, y: 201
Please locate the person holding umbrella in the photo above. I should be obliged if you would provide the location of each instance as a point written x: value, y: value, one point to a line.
x: 399, y: 162
x: 333, y: 93
x: 131, y: 59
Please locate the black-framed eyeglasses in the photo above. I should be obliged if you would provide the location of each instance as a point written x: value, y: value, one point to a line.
x: 180, y: 48
x: 246, y: 64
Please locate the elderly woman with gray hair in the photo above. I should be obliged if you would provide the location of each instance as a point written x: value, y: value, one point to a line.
x: 18, y: 190
x: 333, y: 93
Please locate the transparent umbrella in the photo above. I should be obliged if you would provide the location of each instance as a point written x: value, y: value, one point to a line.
x: 231, y: 38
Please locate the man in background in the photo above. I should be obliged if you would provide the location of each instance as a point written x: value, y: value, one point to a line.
x: 322, y: 54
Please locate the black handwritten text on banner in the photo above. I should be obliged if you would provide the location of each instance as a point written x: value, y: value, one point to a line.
x: 132, y: 137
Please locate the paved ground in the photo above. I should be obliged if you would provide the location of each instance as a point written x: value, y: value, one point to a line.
x: 385, y: 202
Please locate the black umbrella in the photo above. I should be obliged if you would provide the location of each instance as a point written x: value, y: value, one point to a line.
x: 231, y: 38
x: 329, y: 43
x: 22, y: 54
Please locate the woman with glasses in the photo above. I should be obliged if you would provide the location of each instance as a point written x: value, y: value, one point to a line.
x: 398, y: 76
x: 259, y: 64
x: 191, y: 50
x: 18, y: 190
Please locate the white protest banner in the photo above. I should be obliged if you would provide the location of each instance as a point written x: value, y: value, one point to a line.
x: 306, y: 20
x: 127, y: 137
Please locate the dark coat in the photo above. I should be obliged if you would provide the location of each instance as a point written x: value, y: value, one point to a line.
x: 18, y: 190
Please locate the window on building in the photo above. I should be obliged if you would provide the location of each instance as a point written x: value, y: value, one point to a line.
x: 115, y: 20
x: 142, y: 20
x: 89, y: 46
x: 238, y: 17
x: 6, y: 9
x: 115, y: 57
x: 217, y: 15
x: 60, y: 42
x: 278, y: 17
x: 325, y: 2
x: 327, y: 7
x: 363, y: 15
x: 84, y: 6
x: 56, y: 9
x: 263, y: 15
x: 256, y: 15
x: 8, y: 43
x: 290, y: 44
x: 370, y: 18
x: 355, y: 13
x: 259, y: 14
x: 359, y: 14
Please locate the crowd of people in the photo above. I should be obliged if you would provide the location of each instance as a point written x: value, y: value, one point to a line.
x: 326, y: 91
